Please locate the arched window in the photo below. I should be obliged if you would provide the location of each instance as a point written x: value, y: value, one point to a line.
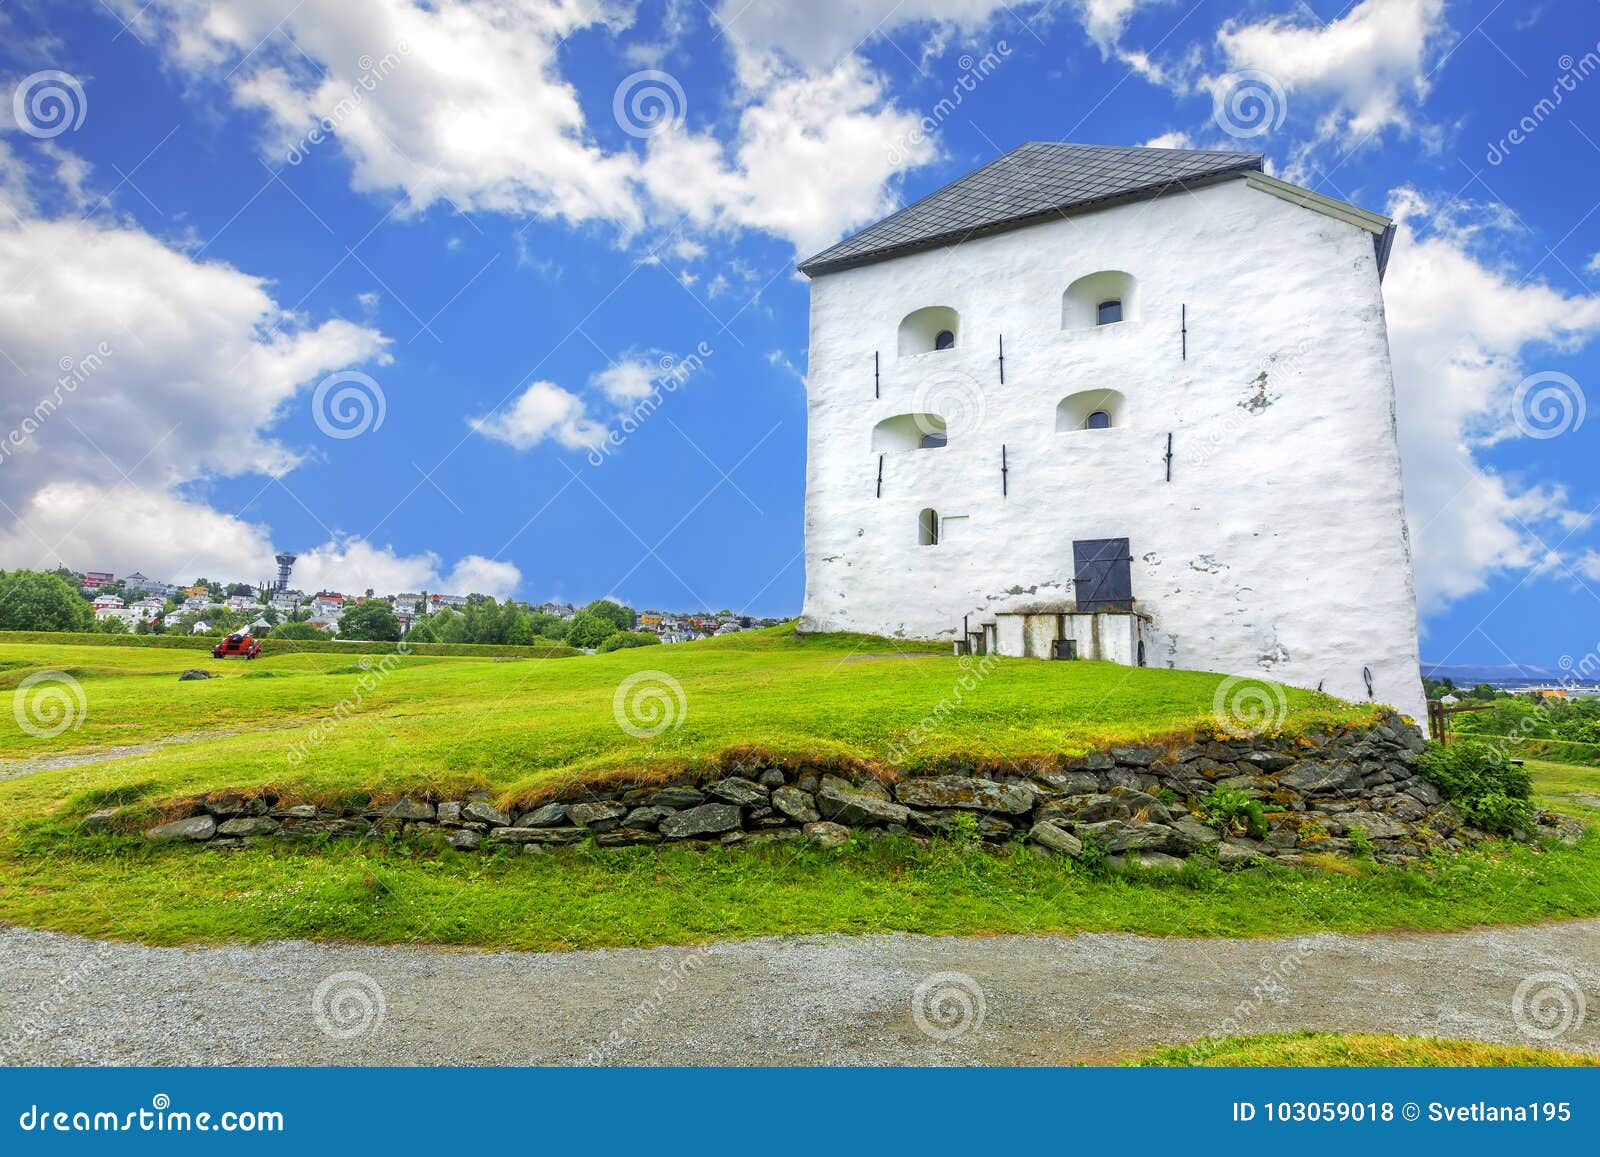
x: 909, y: 432
x: 935, y: 327
x: 1090, y: 410
x: 928, y: 527
x: 1097, y: 299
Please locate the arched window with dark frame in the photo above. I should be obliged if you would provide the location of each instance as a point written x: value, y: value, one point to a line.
x: 934, y: 440
x: 1108, y: 311
x: 928, y: 527
x: 946, y: 340
x: 1098, y: 420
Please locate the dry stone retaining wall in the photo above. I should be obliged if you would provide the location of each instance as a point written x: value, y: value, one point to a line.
x: 1136, y: 805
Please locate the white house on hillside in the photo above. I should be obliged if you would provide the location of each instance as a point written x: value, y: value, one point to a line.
x: 1120, y: 403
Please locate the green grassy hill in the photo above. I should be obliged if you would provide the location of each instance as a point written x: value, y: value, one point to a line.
x: 320, y: 726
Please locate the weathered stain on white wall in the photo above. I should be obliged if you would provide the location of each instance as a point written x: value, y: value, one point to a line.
x: 1279, y: 548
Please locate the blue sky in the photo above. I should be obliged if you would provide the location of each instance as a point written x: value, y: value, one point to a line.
x: 515, y: 216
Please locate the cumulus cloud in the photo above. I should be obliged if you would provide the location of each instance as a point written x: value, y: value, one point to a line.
x: 353, y: 565
x: 134, y: 373
x: 1170, y: 140
x: 1462, y: 332
x: 1366, y: 71
x: 463, y: 101
x: 543, y: 411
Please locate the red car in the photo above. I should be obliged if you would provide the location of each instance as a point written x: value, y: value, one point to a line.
x: 239, y: 646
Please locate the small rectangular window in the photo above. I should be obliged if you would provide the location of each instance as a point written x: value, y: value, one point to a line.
x: 1108, y: 312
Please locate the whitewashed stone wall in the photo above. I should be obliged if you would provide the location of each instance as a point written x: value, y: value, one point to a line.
x: 1279, y: 548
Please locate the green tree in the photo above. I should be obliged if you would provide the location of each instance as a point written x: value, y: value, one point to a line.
x: 111, y: 625
x: 370, y: 620
x: 619, y: 616
x: 549, y: 626
x: 30, y: 601
x: 623, y: 639
x: 423, y: 630
x: 589, y: 629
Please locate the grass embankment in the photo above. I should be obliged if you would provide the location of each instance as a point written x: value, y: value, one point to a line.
x: 518, y: 728
x: 1357, y: 1050
x: 52, y: 639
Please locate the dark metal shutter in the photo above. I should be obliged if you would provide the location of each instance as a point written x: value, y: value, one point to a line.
x: 1102, y: 570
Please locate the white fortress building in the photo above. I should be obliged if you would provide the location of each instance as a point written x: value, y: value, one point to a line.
x: 1115, y: 403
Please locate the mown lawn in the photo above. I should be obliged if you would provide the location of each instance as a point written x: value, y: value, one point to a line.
x: 517, y: 726
x: 1342, y: 1050
x: 448, y: 724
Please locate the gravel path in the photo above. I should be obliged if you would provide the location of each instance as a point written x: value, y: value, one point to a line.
x: 803, y: 1000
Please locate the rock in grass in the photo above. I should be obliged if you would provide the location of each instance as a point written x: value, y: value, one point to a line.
x: 627, y: 837
x: 98, y: 821
x: 706, y: 820
x: 827, y: 835
x: 600, y: 817
x: 677, y: 797
x: 646, y: 818
x: 483, y: 812
x: 538, y: 835
x: 854, y: 808
x: 1057, y: 840
x: 464, y: 840
x: 961, y: 791
x: 196, y: 828
x: 248, y: 826
x: 549, y: 816
x: 1116, y: 836
x: 738, y: 791
x: 193, y: 673
x: 1314, y: 777
x: 1232, y: 855
x: 1191, y: 835
x: 796, y: 804
x: 1147, y: 862
x: 449, y: 814
x: 405, y: 808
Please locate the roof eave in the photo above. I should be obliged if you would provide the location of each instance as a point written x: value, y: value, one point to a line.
x: 816, y: 265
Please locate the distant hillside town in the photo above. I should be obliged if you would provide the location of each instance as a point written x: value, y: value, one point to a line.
x: 66, y: 599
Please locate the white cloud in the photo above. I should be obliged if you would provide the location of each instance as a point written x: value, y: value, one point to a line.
x: 354, y: 565
x: 627, y: 381
x: 1462, y: 333
x: 463, y: 101
x: 814, y: 157
x: 1170, y: 140
x: 134, y: 371
x: 457, y: 102
x: 148, y: 363
x: 542, y: 411
x: 1367, y: 69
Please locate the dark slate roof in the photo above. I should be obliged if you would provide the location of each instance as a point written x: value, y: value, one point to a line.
x: 1034, y: 182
